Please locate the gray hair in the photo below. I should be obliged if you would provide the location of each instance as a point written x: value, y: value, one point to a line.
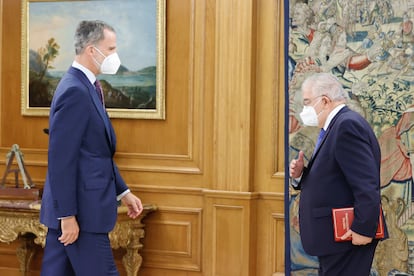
x: 90, y: 32
x: 325, y: 84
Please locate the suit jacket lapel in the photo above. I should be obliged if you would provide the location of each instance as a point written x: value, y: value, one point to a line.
x: 344, y: 109
x: 97, y: 102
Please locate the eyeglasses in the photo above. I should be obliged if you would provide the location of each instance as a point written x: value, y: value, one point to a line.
x: 309, y: 101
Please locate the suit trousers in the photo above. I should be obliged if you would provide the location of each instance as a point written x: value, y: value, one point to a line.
x: 356, y: 262
x: 90, y: 255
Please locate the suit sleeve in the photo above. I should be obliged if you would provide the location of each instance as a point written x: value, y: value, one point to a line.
x: 67, y: 126
x: 119, y: 181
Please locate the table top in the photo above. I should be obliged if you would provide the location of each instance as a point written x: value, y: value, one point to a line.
x: 28, y: 205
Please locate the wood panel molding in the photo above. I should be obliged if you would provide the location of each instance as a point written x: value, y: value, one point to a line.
x: 176, y: 190
x: 222, y: 194
x: 280, y: 103
x: 230, y: 226
x: 270, y: 222
x: 277, y: 241
x: 233, y: 106
x: 223, y: 240
x: 269, y: 122
x: 173, y: 239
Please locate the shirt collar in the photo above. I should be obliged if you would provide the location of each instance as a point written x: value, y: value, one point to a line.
x: 332, y: 115
x: 91, y: 76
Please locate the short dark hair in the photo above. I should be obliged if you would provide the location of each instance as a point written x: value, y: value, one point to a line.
x: 90, y: 32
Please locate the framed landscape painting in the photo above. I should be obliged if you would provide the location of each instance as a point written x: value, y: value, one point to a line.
x: 137, y: 91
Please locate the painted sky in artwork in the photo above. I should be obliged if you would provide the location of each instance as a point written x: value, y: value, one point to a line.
x: 133, y: 20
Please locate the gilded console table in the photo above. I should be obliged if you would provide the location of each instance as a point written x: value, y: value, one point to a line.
x: 20, y: 220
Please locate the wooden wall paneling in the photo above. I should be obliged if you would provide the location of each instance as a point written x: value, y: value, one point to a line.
x: 173, y: 238
x: 269, y: 137
x: 9, y: 264
x: 186, y: 58
x: 27, y: 132
x: 173, y: 245
x: 172, y: 148
x: 278, y: 232
x: 35, y: 162
x: 270, y: 234
x: 186, y: 64
x: 167, y: 146
x: 153, y: 141
x: 269, y: 134
x: 230, y: 233
x: 279, y: 134
x: 209, y: 14
x: 280, y: 103
x: 234, y: 80
x: 23, y: 130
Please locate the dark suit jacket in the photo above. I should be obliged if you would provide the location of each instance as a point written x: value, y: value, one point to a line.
x: 344, y: 172
x: 82, y: 178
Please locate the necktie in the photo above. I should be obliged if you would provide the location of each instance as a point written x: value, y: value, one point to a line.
x: 320, y: 137
x: 99, y: 91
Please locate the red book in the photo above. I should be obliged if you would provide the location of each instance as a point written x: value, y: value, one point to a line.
x: 342, y: 221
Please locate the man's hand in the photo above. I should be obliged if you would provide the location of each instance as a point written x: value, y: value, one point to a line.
x: 296, y: 166
x: 70, y: 230
x: 134, y: 205
x: 357, y: 239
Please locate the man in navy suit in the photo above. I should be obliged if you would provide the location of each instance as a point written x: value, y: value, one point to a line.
x: 344, y: 171
x: 83, y: 184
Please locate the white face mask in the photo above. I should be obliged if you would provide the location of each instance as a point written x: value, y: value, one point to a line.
x: 110, y: 64
x: 309, y: 116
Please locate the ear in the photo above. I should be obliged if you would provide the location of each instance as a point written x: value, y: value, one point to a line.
x: 326, y: 100
x: 89, y: 50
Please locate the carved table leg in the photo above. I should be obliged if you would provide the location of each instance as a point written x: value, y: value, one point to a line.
x: 132, y: 260
x: 25, y: 252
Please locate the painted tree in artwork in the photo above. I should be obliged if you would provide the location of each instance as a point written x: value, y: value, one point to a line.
x: 47, y: 55
x: 41, y: 84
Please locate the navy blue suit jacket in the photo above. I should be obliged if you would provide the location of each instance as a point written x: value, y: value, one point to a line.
x: 344, y: 172
x: 82, y: 178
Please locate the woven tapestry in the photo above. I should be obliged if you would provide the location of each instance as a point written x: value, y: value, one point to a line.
x: 369, y: 46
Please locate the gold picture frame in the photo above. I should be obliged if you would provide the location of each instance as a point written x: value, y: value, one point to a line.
x: 48, y: 27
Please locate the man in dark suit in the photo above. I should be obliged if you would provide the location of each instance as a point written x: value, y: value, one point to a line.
x: 344, y: 171
x: 83, y: 183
